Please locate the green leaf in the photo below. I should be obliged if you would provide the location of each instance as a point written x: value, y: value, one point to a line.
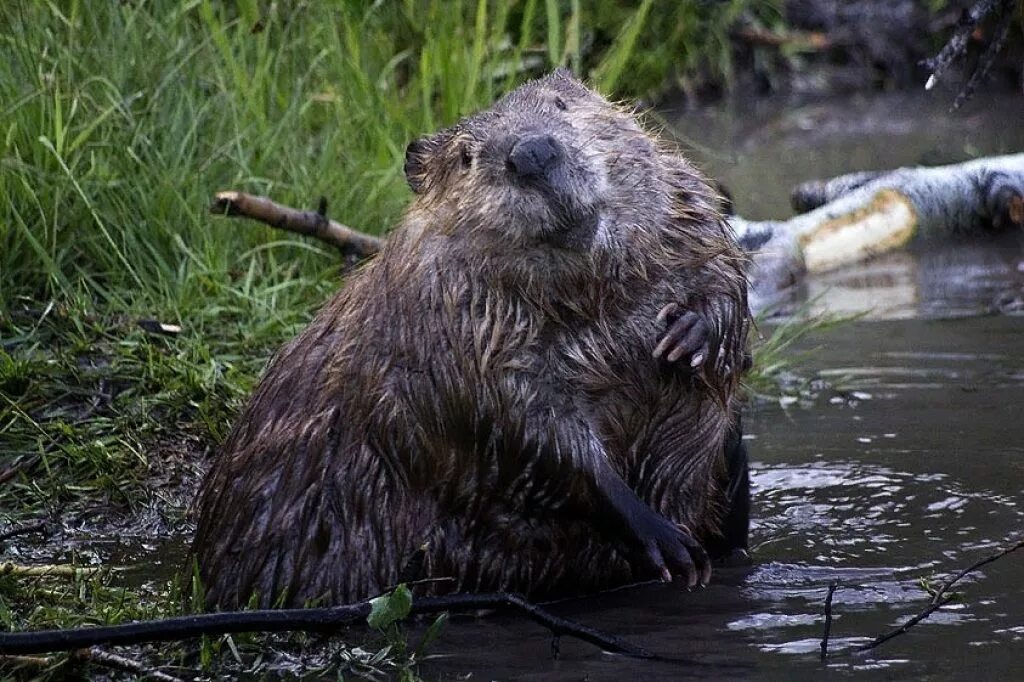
x: 433, y: 632
x: 607, y: 73
x: 390, y: 608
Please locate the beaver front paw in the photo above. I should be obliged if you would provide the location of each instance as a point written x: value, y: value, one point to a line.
x: 687, y: 336
x: 671, y: 550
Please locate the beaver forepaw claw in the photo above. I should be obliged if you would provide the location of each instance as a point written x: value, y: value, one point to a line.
x: 673, y: 552
x: 687, y: 336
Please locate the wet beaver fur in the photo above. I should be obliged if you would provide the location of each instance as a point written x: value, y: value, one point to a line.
x: 531, y: 388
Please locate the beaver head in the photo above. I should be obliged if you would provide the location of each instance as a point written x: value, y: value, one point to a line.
x: 552, y: 164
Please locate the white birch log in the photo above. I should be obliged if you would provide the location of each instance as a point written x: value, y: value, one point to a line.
x: 863, y: 215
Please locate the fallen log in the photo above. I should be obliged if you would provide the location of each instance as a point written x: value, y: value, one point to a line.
x: 845, y: 220
x: 856, y: 217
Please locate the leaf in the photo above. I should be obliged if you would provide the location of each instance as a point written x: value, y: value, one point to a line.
x: 390, y: 608
x: 432, y: 633
x: 607, y: 73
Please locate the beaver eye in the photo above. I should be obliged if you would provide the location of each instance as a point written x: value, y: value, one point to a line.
x: 560, y: 103
x: 466, y: 157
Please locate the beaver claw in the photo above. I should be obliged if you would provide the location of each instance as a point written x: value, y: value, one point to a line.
x: 688, y: 336
x: 671, y: 550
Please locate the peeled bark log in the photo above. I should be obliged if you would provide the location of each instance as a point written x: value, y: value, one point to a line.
x: 859, y: 216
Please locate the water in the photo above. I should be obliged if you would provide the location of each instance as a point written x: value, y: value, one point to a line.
x: 909, y: 466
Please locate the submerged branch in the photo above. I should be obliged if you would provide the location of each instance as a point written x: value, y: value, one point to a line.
x: 828, y: 619
x: 974, y: 567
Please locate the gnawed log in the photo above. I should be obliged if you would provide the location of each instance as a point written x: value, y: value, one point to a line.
x: 856, y: 217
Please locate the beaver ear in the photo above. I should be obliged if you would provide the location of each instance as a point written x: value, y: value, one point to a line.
x: 563, y: 73
x: 566, y: 81
x: 416, y: 156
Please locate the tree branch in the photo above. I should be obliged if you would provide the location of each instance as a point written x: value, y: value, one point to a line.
x: 310, y: 223
x: 111, y: 660
x: 828, y: 619
x: 939, y: 599
x: 303, y: 620
x: 33, y: 527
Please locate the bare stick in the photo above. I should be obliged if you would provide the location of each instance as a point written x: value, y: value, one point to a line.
x: 34, y: 527
x: 310, y: 223
x: 304, y: 620
x: 828, y: 619
x: 111, y: 660
x: 895, y: 632
x: 984, y: 64
x: 939, y: 599
x: 21, y: 465
x: 974, y: 567
x: 58, y: 570
x: 34, y: 661
x: 957, y: 44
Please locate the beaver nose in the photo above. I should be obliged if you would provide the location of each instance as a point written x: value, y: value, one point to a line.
x: 533, y: 155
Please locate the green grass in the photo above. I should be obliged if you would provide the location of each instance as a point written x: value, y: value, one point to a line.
x: 118, y: 122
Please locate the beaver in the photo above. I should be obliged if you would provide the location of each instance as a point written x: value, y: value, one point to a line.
x: 532, y: 387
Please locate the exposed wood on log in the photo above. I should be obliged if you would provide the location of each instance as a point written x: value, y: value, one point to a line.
x: 858, y: 216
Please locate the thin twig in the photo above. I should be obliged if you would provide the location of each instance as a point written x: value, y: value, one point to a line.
x: 957, y: 43
x: 34, y: 661
x: 939, y: 599
x: 33, y: 527
x: 995, y: 46
x: 895, y: 632
x: 416, y: 583
x: 16, y: 468
x: 111, y: 660
x: 304, y: 620
x: 311, y: 223
x: 828, y: 619
x: 974, y: 567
